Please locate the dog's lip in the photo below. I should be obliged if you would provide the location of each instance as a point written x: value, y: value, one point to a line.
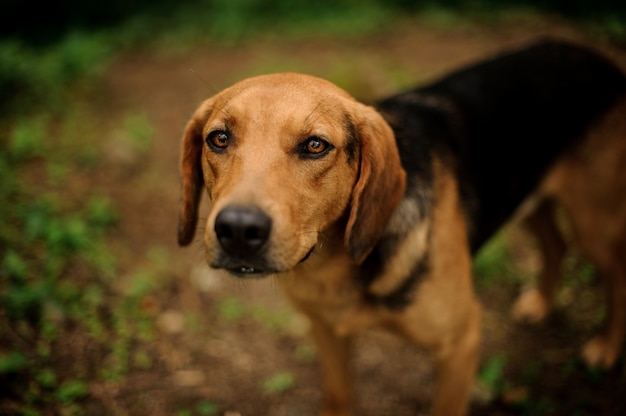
x: 251, y: 270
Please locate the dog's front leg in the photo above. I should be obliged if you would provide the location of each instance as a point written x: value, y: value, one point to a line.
x: 334, y: 353
x: 456, y: 362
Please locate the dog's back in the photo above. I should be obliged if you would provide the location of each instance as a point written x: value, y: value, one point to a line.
x: 505, y: 120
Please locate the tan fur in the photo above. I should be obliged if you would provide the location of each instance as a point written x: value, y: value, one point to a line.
x: 341, y: 207
x: 589, y: 182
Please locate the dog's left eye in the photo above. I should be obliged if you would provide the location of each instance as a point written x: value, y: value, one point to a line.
x: 314, y: 147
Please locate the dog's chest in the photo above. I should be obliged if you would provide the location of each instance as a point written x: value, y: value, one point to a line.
x: 329, y: 288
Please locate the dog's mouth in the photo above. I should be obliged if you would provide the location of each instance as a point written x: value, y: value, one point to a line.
x: 244, y: 270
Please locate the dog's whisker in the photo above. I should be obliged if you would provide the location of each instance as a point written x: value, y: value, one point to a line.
x: 307, y: 120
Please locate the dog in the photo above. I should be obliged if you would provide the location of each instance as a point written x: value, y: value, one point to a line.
x: 369, y: 216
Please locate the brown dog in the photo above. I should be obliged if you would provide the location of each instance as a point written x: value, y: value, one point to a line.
x: 370, y: 216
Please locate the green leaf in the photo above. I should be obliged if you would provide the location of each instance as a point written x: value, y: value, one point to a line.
x: 231, y: 309
x: 491, y: 373
x: 207, y: 408
x: 47, y: 378
x: 71, y: 391
x: 13, y: 362
x: 27, y: 139
x: 278, y: 382
x: 100, y: 212
x: 14, y: 266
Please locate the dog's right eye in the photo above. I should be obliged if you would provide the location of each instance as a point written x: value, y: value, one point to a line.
x: 218, y: 140
x: 314, y: 148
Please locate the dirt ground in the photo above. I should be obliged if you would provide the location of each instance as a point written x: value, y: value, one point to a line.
x: 236, y: 348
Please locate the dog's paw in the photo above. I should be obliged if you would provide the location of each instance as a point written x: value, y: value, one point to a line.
x: 600, y: 353
x: 531, y: 307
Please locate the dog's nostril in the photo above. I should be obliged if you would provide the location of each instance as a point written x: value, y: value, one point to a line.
x: 242, y: 230
x: 223, y: 231
x: 253, y: 234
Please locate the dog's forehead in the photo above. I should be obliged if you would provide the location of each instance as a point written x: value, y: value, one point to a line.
x: 288, y: 83
x: 286, y: 95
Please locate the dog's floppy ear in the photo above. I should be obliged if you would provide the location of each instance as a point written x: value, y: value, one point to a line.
x: 191, y: 172
x: 379, y: 187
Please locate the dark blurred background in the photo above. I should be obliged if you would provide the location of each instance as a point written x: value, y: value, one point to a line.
x: 43, y: 22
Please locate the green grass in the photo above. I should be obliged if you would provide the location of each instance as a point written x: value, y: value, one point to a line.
x: 493, y: 263
x: 278, y: 382
x: 491, y: 376
x: 231, y: 309
x: 56, y: 270
x: 203, y: 408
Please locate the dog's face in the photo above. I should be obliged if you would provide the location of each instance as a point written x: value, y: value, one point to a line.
x: 284, y: 157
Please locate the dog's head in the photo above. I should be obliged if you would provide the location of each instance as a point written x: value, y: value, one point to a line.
x: 283, y: 158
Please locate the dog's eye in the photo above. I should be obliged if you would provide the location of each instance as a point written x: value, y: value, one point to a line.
x: 315, y: 147
x: 218, y: 140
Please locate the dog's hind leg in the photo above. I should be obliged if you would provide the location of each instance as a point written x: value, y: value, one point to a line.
x: 535, y: 303
x: 590, y: 183
x: 603, y: 350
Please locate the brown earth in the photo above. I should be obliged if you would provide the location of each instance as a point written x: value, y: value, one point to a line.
x: 221, y: 340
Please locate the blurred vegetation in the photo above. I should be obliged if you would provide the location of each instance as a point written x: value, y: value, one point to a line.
x: 60, y: 308
x: 56, y: 272
x: 40, y: 56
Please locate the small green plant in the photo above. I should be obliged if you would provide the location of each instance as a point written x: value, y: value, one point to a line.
x: 13, y: 362
x: 204, y: 408
x: 541, y: 406
x: 492, y: 262
x: 230, y: 309
x: 278, y: 382
x: 490, y: 376
x: 27, y: 138
x: 270, y: 318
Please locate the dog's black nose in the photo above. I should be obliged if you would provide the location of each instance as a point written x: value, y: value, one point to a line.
x: 242, y: 230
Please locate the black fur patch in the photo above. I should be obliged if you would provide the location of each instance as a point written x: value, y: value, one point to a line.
x: 506, y: 121
x: 352, y: 139
x: 402, y: 296
x: 498, y: 126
